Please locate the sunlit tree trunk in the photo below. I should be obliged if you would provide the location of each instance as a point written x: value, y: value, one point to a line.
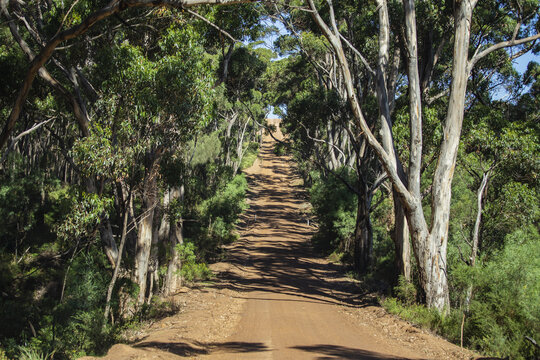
x: 173, y: 279
x: 476, y: 231
x: 401, y: 230
x: 144, y: 239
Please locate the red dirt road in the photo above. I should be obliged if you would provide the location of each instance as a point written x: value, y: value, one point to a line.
x: 295, y: 300
x: 275, y: 299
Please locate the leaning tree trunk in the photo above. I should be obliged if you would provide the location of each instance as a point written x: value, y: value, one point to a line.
x: 118, y: 260
x: 476, y: 231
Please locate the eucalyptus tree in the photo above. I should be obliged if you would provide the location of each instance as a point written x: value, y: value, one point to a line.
x: 430, y: 239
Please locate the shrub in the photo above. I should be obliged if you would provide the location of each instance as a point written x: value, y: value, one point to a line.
x: 280, y: 149
x: 335, y: 209
x: 217, y: 217
x: 192, y: 270
x: 27, y: 353
x: 505, y: 307
x: 250, y: 156
x: 405, y: 291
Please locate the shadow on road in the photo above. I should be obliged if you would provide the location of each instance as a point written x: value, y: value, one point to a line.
x: 342, y: 352
x: 274, y: 254
x: 194, y: 348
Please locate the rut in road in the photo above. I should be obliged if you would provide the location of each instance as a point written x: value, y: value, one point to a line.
x: 295, y: 300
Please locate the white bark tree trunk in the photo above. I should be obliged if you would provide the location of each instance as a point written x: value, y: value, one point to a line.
x: 476, y: 231
x: 144, y: 239
x: 401, y: 231
x: 173, y: 279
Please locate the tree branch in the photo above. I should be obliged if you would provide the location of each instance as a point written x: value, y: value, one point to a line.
x: 501, y: 45
x: 359, y: 54
x: 200, y: 17
x: 113, y: 7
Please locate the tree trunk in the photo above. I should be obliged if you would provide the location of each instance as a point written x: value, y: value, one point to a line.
x: 173, y: 280
x: 144, y: 239
x: 401, y: 240
x: 363, y: 234
x: 401, y: 231
x: 107, y: 239
x: 437, y: 286
x: 476, y: 231
x: 153, y: 263
x: 240, y: 148
x: 118, y: 261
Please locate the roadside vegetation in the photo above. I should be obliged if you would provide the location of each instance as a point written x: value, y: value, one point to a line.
x: 123, y: 179
x: 123, y: 144
x: 485, y: 292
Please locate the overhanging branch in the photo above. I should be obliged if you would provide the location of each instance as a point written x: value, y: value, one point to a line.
x: 113, y: 7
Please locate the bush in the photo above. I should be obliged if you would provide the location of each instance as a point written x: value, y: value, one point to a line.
x: 335, y: 209
x: 76, y: 327
x: 405, y: 291
x: 250, y: 156
x: 217, y: 217
x: 280, y: 149
x: 192, y: 270
x: 506, y: 305
x: 27, y: 353
x: 447, y: 325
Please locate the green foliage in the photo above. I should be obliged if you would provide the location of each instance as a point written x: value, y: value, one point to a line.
x: 335, y: 210
x: 405, y: 291
x: 19, y: 206
x: 245, y: 71
x: 76, y: 326
x: 505, y: 307
x: 32, y: 354
x: 192, y: 270
x: 203, y: 149
x: 217, y: 217
x: 447, y: 325
x: 86, y: 213
x: 280, y: 149
x: 252, y: 152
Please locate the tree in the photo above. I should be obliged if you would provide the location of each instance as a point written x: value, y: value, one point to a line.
x: 429, y: 240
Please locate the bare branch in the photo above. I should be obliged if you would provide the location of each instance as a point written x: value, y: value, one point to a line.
x: 23, y: 134
x: 501, y: 45
x: 359, y: 54
x: 431, y: 99
x: 322, y: 141
x: 65, y: 17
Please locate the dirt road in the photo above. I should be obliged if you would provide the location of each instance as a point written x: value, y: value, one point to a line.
x: 295, y: 300
x: 275, y: 299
